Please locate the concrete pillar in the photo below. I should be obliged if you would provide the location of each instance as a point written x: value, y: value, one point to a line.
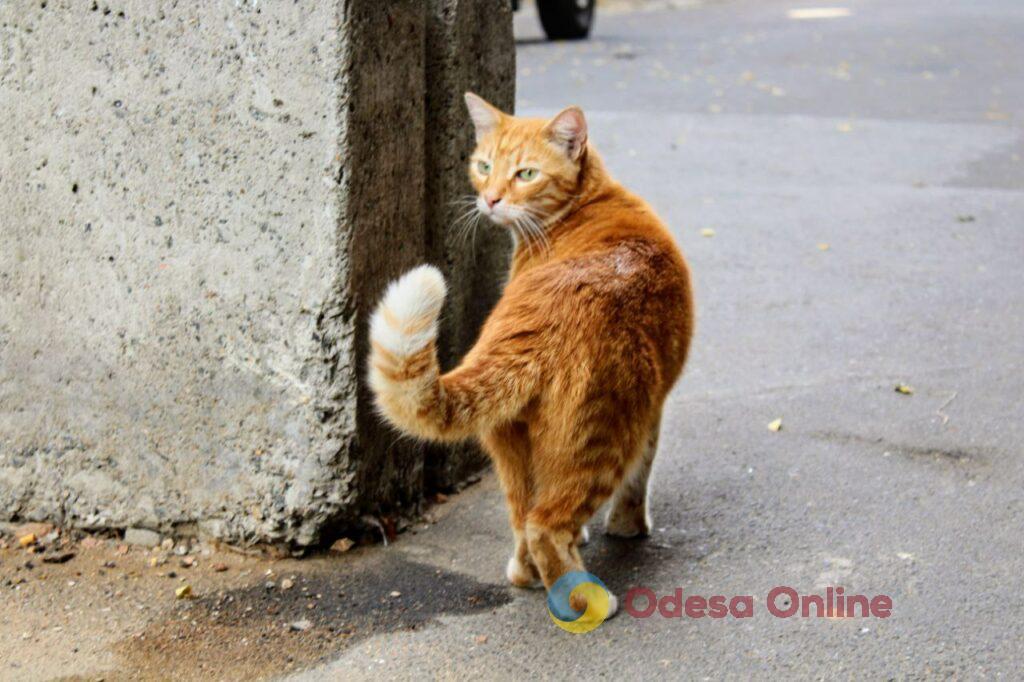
x: 464, y: 52
x: 202, y: 202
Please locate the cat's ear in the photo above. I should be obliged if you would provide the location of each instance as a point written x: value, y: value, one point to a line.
x: 569, y: 130
x: 485, y: 116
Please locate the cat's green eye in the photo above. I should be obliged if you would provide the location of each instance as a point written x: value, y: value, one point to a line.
x: 527, y: 174
x: 483, y: 167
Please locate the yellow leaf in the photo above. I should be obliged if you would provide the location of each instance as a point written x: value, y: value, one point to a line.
x: 342, y: 545
x: 184, y: 592
x: 775, y: 425
x: 818, y: 13
x: 904, y: 389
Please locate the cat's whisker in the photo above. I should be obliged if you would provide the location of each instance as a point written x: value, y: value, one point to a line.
x: 464, y: 218
x: 467, y: 223
x: 524, y: 234
x: 536, y: 212
x: 540, y: 220
x: 541, y: 238
x: 536, y: 230
x: 527, y: 233
x: 472, y: 225
x: 518, y: 233
x: 464, y: 200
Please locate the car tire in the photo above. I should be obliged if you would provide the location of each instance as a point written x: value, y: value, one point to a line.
x: 566, y: 19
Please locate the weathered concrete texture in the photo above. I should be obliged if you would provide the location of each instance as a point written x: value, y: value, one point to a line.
x: 201, y: 203
x: 467, y: 48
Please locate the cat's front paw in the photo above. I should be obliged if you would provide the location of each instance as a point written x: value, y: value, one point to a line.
x: 613, y: 606
x: 521, y: 574
x: 584, y: 536
x: 629, y: 523
x: 579, y: 603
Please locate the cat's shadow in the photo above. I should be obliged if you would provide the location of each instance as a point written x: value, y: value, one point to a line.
x: 625, y: 563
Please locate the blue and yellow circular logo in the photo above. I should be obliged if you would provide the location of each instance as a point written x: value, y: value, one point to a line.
x: 579, y: 584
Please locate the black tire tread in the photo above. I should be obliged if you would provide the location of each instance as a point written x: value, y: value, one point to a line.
x: 563, y: 20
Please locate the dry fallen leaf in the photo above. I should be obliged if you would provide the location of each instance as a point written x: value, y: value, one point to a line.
x: 342, y: 545
x: 775, y: 425
x: 91, y: 542
x: 184, y: 592
x: 904, y: 389
x: 818, y: 13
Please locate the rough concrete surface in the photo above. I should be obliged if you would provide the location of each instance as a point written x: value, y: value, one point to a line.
x: 464, y: 53
x: 201, y: 203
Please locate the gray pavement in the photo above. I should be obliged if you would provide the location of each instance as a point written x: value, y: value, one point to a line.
x: 893, y: 136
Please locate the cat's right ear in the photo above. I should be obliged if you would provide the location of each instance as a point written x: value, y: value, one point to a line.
x: 569, y: 131
x: 485, y: 117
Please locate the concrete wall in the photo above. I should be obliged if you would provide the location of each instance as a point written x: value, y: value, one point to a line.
x: 199, y: 205
x: 463, y: 52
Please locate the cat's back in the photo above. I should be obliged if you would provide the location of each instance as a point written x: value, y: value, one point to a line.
x: 617, y: 252
x: 618, y: 288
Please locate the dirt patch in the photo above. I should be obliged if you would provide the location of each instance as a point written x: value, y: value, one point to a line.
x: 89, y: 608
x: 261, y: 630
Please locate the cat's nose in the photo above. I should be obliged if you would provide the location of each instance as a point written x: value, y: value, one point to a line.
x: 491, y: 199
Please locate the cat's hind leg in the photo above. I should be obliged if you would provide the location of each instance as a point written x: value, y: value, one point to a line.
x: 583, y: 536
x: 509, y: 448
x: 629, y: 516
x: 555, y: 523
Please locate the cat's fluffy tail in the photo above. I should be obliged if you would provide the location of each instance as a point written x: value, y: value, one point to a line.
x: 405, y: 376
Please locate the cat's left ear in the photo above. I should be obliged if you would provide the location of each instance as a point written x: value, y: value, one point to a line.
x: 486, y: 117
x: 569, y: 130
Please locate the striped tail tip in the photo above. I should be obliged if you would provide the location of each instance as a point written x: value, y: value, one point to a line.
x: 405, y: 321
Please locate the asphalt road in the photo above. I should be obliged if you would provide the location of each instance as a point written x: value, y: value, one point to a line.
x: 864, y: 181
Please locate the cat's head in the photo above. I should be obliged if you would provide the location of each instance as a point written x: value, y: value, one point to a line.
x: 525, y: 170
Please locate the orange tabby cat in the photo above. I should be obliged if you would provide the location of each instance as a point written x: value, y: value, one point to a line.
x: 565, y: 386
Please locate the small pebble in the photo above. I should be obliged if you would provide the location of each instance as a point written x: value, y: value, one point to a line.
x: 301, y: 625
